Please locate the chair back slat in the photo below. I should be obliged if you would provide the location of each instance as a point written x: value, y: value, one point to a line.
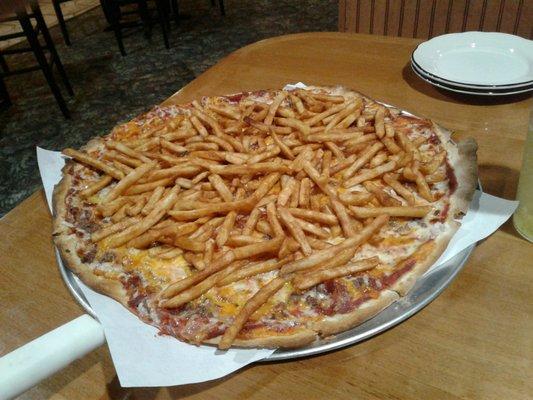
x: 428, y: 18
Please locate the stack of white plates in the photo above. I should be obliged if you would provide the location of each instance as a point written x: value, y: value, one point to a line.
x: 478, y: 63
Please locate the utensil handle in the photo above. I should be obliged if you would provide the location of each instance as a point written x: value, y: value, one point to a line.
x: 28, y: 365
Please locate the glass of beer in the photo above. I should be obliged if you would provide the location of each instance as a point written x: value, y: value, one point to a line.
x: 523, y: 216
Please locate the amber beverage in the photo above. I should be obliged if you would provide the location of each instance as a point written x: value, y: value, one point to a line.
x: 523, y: 216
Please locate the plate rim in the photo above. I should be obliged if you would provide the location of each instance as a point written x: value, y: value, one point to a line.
x: 486, y: 94
x: 468, y: 85
x: 470, y: 33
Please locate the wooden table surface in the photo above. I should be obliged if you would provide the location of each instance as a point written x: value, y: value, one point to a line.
x: 475, y: 341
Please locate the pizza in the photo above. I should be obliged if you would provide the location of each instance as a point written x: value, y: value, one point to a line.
x: 271, y: 218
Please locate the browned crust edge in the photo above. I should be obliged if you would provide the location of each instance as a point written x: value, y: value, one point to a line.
x: 67, y: 246
x: 343, y: 322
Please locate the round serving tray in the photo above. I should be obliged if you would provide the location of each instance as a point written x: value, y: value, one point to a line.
x: 426, y: 290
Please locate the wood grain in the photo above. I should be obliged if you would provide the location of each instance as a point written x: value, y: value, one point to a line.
x: 429, y: 18
x: 473, y: 342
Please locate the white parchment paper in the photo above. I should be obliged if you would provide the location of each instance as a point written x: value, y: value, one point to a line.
x: 143, y: 358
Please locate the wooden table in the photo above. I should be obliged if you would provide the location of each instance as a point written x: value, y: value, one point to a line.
x: 475, y: 341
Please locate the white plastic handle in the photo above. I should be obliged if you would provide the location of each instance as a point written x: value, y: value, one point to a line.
x: 37, y: 360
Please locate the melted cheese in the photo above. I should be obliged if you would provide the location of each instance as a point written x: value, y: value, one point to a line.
x: 156, y: 271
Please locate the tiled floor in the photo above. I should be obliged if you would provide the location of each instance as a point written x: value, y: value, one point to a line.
x: 70, y: 9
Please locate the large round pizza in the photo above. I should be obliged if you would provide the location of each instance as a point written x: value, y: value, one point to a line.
x: 269, y: 218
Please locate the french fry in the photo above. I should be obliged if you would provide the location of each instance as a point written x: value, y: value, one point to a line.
x: 305, y: 192
x: 165, y: 144
x: 225, y: 229
x: 96, y: 186
x: 307, y: 281
x: 220, y: 186
x: 313, y: 229
x: 283, y: 147
x: 315, y: 176
x: 399, y: 188
x: 220, y: 142
x: 378, y: 159
x: 127, y: 182
x: 421, y: 183
x: 344, y: 218
x: 382, y: 196
x: 242, y: 240
x: 251, y: 221
x: 153, y: 199
x: 110, y: 208
x: 248, y: 309
x: 136, y: 208
x: 368, y: 174
x: 337, y: 118
x: 273, y: 220
x: 274, y: 106
x: 94, y: 162
x: 148, y: 187
x: 294, y: 123
x: 323, y: 255
x: 253, y: 269
x: 295, y: 230
x: 269, y: 153
x: 259, y: 168
x: 288, y: 247
x: 109, y: 230
x: 411, y: 212
x: 151, y: 236
x: 314, y: 216
x: 319, y: 117
x: 379, y: 122
x: 159, y: 210
x: 257, y: 249
x: 355, y: 198
x: 365, y: 157
x: 295, y: 100
x: 127, y: 151
x: 264, y: 227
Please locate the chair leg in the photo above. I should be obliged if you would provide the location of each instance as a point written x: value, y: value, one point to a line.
x: 3, y: 63
x: 51, y: 47
x: 222, y: 8
x: 33, y: 40
x: 145, y: 17
x: 112, y: 14
x: 4, y: 95
x: 162, y: 16
x: 175, y: 11
x: 61, y: 20
x: 213, y: 3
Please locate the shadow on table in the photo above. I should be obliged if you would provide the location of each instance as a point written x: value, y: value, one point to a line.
x: 440, y: 94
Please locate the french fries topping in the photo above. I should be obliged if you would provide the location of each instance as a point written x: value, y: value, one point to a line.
x: 290, y: 188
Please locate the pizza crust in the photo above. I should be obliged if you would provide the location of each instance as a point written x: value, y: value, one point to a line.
x: 302, y: 337
x: 343, y: 322
x: 67, y: 247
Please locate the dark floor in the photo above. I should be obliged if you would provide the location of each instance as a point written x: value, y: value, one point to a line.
x: 110, y: 89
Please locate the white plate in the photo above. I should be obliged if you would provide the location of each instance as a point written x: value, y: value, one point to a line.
x: 467, y: 91
x: 478, y: 58
x: 469, y: 86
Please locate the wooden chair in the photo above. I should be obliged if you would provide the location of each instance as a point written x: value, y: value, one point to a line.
x: 61, y: 20
x: 28, y: 14
x: 114, y: 15
x: 428, y: 18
